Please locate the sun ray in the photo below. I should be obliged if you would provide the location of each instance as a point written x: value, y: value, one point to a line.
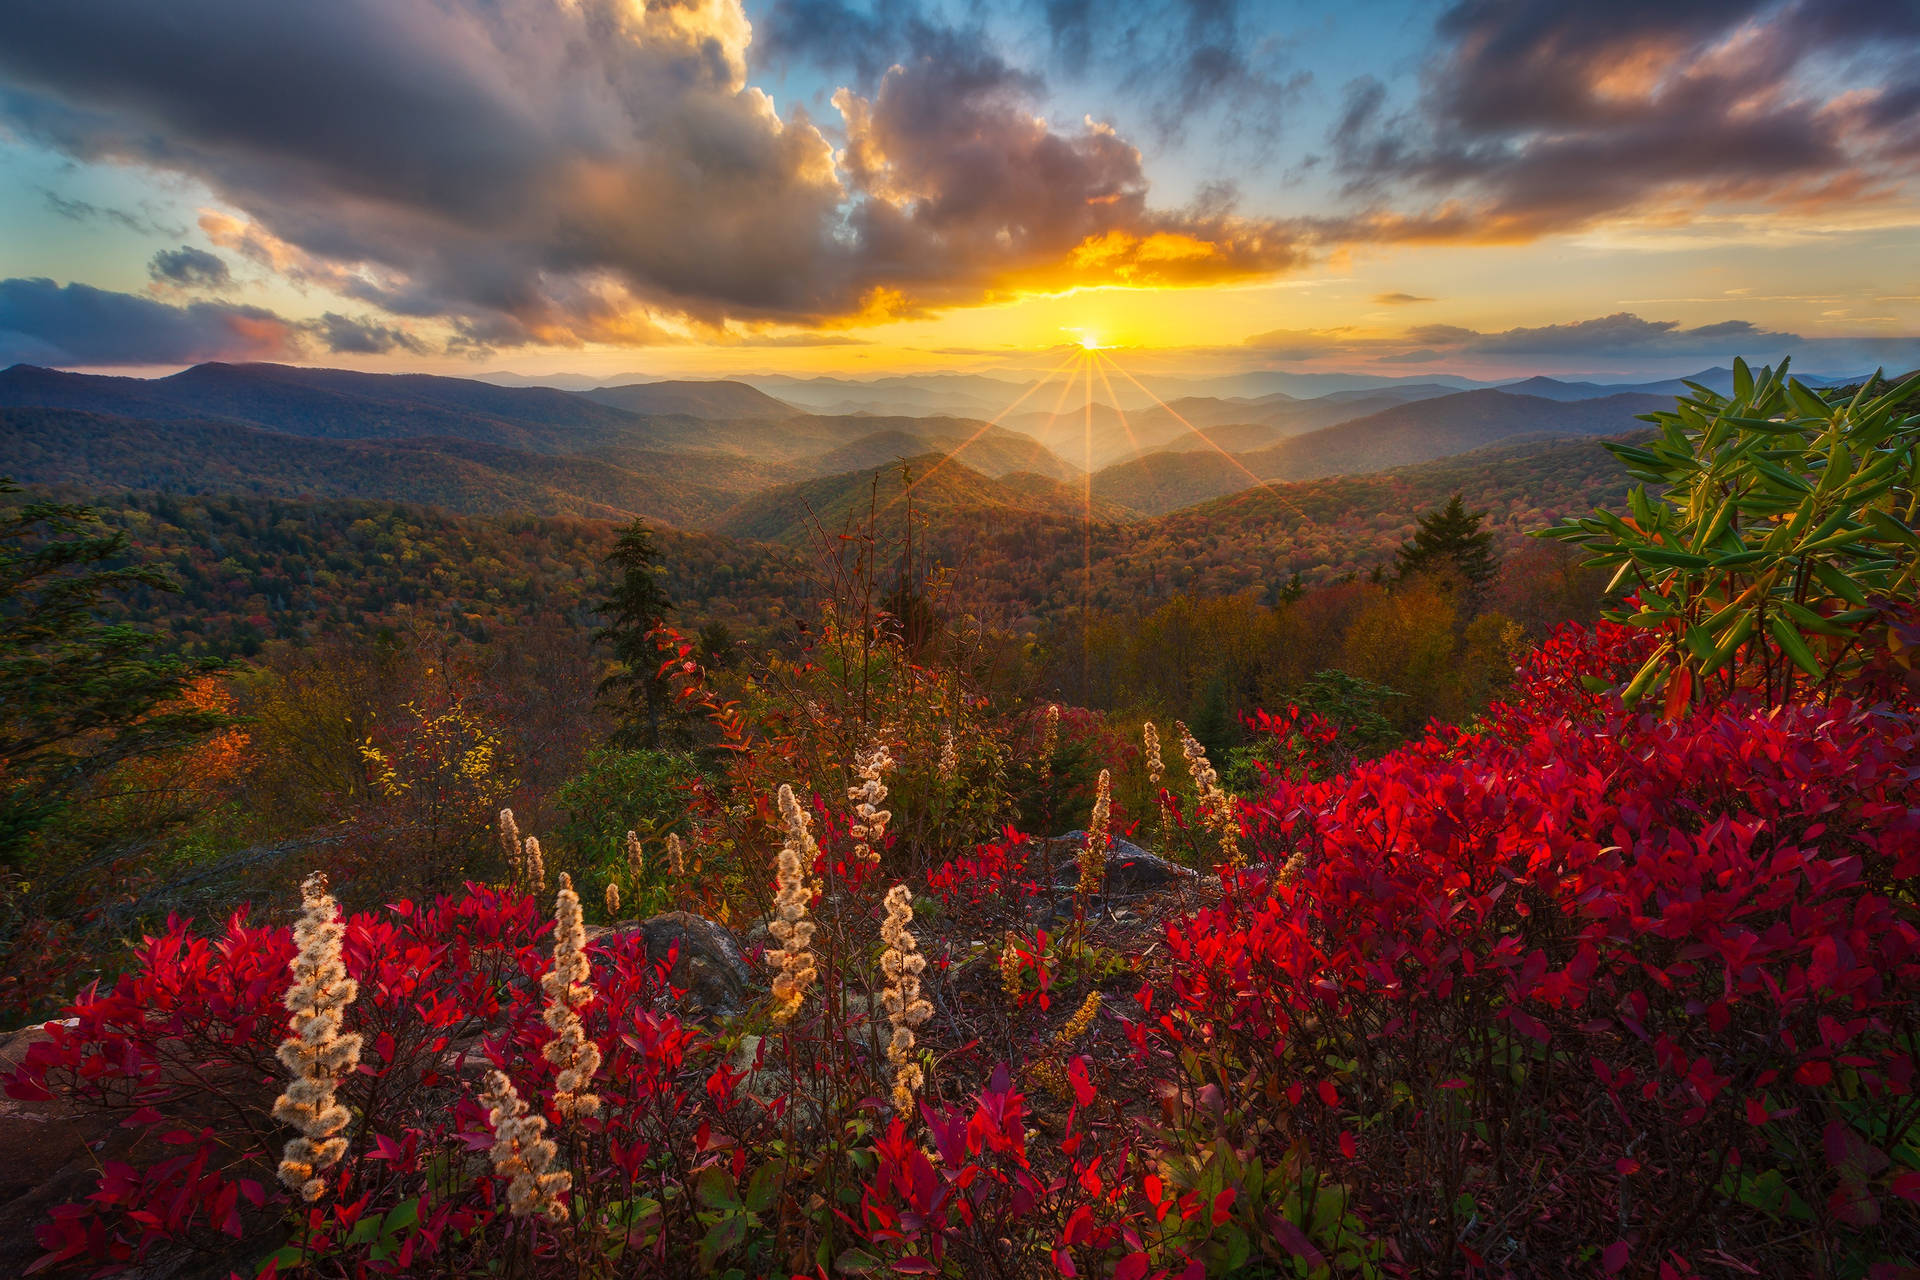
x: 994, y: 421
x: 1206, y: 439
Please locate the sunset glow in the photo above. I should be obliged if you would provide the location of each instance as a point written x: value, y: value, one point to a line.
x: 751, y: 186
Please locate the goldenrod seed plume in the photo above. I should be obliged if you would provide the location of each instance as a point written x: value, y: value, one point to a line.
x: 318, y: 1054
x: 568, y: 989
x: 790, y: 925
x: 902, y: 964
x: 523, y: 1154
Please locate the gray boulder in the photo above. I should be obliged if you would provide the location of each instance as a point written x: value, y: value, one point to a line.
x: 1130, y: 869
x: 708, y: 964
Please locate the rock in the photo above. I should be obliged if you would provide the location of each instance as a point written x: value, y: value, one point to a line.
x: 1130, y: 869
x: 709, y: 965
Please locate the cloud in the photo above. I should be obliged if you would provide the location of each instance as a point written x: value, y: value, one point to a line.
x: 1622, y: 334
x: 1180, y: 63
x: 569, y: 171
x: 1616, y: 341
x: 1398, y: 299
x: 346, y: 335
x: 190, y: 268
x: 75, y: 324
x: 74, y: 210
x: 1538, y: 116
x: 968, y: 190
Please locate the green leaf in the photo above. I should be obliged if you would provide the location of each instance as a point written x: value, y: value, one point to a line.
x: 1835, y: 580
x: 1793, y: 645
x: 715, y: 1189
x: 725, y: 1236
x: 764, y: 1186
x: 1671, y: 558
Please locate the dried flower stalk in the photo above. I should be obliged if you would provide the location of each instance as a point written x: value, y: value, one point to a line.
x: 1047, y: 1070
x: 636, y: 860
x: 790, y: 925
x: 613, y: 899
x: 1050, y: 736
x: 1010, y: 969
x: 676, y: 856
x: 949, y: 757
x: 536, y: 865
x: 902, y: 964
x: 522, y: 1153
x: 1216, y: 806
x: 318, y: 1053
x: 568, y: 988
x: 870, y: 820
x: 1093, y: 854
x: 1156, y: 767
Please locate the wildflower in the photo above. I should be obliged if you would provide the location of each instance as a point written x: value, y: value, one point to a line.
x: 676, y: 856
x: 613, y: 899
x: 1010, y: 969
x: 1216, y: 806
x: 568, y: 991
x: 1093, y: 855
x: 1077, y: 1025
x: 536, y: 865
x: 318, y: 1053
x: 1150, y: 736
x: 902, y: 964
x: 1047, y: 1069
x: 525, y: 866
x: 949, y: 757
x: 1050, y: 736
x: 870, y: 820
x: 522, y: 1153
x: 510, y: 841
x: 636, y: 860
x: 790, y: 924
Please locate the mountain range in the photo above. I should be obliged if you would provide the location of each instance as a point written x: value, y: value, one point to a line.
x: 733, y: 457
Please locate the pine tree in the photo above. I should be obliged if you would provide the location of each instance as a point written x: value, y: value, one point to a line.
x: 1450, y: 540
x: 638, y: 606
x: 77, y: 695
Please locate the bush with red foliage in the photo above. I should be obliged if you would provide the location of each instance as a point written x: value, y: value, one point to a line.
x: 1579, y: 990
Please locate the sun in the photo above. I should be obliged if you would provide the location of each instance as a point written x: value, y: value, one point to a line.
x: 1089, y: 340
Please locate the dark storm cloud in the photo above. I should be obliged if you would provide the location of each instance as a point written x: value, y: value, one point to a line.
x: 532, y: 171
x: 190, y: 268
x: 75, y: 324
x: 1537, y: 115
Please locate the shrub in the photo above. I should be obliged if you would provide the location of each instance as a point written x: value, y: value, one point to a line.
x: 1778, y: 541
x: 1582, y: 988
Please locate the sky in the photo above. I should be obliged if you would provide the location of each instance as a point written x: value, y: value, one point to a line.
x: 710, y: 187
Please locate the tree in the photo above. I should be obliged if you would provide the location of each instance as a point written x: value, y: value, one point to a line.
x: 78, y: 695
x: 1450, y: 539
x: 638, y: 606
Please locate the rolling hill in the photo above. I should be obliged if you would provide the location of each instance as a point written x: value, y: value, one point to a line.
x: 204, y: 456
x: 717, y: 400
x: 943, y: 491
x: 335, y: 404
x: 1419, y: 431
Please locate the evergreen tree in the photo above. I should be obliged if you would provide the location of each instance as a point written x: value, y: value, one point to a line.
x: 638, y: 606
x: 77, y: 695
x: 1450, y: 540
